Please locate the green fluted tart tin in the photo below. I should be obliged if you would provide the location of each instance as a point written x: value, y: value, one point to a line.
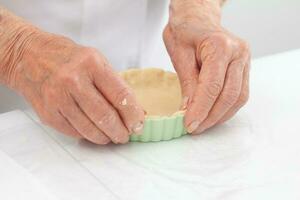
x: 161, y: 129
x: 159, y: 93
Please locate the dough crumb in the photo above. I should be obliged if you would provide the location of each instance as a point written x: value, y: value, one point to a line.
x: 124, y: 102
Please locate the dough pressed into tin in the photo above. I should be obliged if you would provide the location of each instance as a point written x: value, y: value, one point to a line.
x: 157, y: 91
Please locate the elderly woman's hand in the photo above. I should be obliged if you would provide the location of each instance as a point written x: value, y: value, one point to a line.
x: 212, y: 64
x: 75, y: 90
x: 71, y: 87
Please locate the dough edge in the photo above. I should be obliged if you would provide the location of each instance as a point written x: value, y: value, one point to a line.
x: 127, y: 74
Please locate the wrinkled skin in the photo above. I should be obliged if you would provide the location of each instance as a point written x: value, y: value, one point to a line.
x: 72, y: 88
x: 212, y: 64
x: 75, y: 90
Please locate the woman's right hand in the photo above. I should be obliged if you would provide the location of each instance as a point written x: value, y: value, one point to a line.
x: 74, y: 89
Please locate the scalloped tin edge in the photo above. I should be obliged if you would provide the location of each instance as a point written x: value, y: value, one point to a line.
x: 161, y: 129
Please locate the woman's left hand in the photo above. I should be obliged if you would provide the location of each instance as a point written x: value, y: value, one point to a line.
x: 213, y: 69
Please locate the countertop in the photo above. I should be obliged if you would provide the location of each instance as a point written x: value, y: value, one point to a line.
x: 253, y: 156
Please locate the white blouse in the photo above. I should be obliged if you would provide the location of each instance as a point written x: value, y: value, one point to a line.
x: 127, y: 32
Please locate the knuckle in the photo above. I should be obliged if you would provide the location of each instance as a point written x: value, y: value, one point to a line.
x: 68, y: 79
x: 94, y: 57
x: 218, y: 43
x: 244, y: 46
x: 71, y: 80
x: 244, y: 50
x: 223, y: 41
x: 93, y: 60
x: 213, y: 89
x: 231, y: 97
x: 108, y: 117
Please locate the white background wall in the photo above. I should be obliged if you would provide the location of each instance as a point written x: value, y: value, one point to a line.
x: 270, y: 26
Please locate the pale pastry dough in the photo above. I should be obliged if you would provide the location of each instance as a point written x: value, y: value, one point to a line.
x: 157, y: 91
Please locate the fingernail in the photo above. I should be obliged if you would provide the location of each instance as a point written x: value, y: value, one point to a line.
x: 138, y: 128
x: 184, y: 104
x: 193, y: 126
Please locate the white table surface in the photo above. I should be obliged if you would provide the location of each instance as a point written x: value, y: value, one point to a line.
x: 256, y: 155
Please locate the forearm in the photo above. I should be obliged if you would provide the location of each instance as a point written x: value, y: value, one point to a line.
x: 15, y: 35
x: 205, y: 11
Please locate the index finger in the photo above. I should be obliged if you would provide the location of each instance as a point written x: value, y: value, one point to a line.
x: 187, y: 69
x: 209, y: 87
x: 118, y: 93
